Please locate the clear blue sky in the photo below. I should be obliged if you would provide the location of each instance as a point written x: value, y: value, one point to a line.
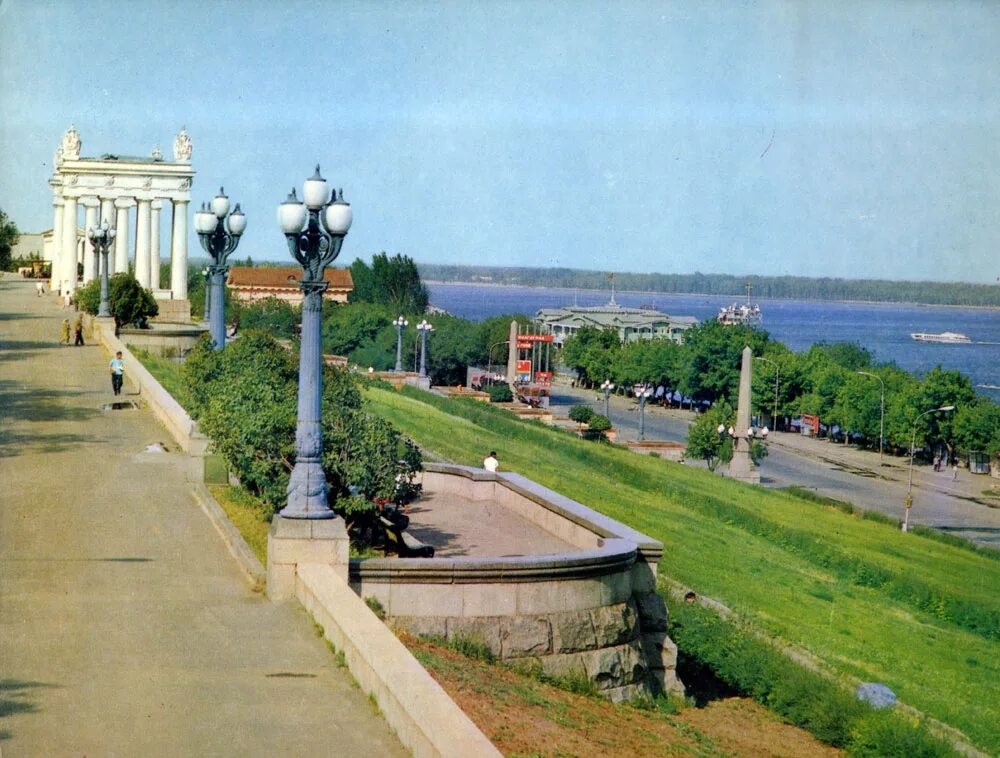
x: 851, y: 139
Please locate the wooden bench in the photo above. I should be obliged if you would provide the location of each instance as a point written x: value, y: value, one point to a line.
x: 407, y: 546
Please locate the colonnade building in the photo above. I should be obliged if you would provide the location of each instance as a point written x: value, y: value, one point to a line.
x: 107, y: 188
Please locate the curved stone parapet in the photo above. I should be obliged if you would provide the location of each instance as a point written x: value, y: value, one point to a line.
x: 590, y: 612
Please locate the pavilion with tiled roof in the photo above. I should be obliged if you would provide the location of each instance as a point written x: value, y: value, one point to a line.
x: 248, y: 284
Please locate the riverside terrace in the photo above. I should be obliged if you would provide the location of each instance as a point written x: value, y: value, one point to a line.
x: 538, y: 578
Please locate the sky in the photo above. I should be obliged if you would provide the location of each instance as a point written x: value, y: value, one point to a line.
x: 843, y: 139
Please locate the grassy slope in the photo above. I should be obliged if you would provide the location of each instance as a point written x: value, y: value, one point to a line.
x: 931, y: 663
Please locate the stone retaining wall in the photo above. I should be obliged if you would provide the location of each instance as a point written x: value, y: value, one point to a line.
x: 592, y: 612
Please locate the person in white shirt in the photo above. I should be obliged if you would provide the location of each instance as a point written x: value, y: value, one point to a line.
x: 491, y: 463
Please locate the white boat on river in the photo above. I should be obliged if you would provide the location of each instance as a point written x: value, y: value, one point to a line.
x: 952, y: 338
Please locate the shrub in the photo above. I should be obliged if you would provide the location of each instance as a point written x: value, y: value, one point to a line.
x: 500, y: 393
x: 598, y: 425
x: 581, y: 414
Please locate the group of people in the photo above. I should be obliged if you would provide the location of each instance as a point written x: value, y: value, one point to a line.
x: 939, y: 462
x: 76, y: 330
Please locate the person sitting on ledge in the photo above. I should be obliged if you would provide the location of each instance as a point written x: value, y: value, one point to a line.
x: 491, y: 463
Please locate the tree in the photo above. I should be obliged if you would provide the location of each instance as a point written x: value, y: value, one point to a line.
x: 976, y: 427
x: 581, y: 414
x: 598, y: 425
x: 278, y: 317
x: 590, y: 353
x: 129, y: 302
x: 389, y: 281
x: 9, y: 236
x: 713, y: 357
x: 704, y: 440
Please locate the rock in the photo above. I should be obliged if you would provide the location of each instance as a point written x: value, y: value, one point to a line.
x: 482, y: 630
x: 876, y: 695
x: 421, y: 626
x: 613, y: 624
x: 652, y: 612
x: 522, y: 637
x: 572, y: 632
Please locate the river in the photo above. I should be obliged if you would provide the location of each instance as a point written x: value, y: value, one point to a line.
x: 882, y: 328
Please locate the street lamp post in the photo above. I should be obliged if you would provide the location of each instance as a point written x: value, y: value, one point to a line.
x: 489, y: 363
x: 881, y: 415
x: 606, y: 388
x: 777, y: 372
x: 399, y: 323
x: 642, y: 393
x: 422, y: 328
x: 315, y: 230
x: 908, y: 503
x: 208, y: 295
x: 219, y: 237
x: 101, y: 238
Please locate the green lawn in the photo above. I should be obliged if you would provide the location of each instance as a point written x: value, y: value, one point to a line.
x: 916, y: 614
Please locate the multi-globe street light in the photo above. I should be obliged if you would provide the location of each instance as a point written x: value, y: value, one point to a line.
x: 101, y: 238
x: 908, y: 503
x: 208, y: 295
x: 219, y: 237
x: 881, y: 415
x: 399, y: 323
x: 422, y: 329
x: 315, y: 229
x: 642, y: 393
x: 606, y: 387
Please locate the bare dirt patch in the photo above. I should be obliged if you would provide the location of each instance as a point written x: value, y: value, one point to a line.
x: 526, y: 717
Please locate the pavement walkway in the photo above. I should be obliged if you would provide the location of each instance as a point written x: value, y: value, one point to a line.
x: 126, y: 628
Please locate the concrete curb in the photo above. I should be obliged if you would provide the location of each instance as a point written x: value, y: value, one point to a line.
x: 238, y: 548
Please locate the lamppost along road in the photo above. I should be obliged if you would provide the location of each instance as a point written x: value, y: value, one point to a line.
x: 315, y: 230
x: 606, y: 388
x: 908, y: 502
x: 101, y: 238
x: 423, y: 328
x: 400, y: 323
x: 881, y: 415
x: 642, y: 394
x: 219, y: 237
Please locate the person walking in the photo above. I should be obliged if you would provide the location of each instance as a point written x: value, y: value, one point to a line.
x: 954, y: 471
x: 491, y: 463
x: 117, y: 369
x: 65, y: 332
x: 78, y: 331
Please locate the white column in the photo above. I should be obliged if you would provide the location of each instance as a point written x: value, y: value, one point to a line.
x: 154, y: 245
x: 178, y: 252
x: 122, y: 205
x: 108, y: 210
x: 67, y: 276
x: 57, y: 220
x: 142, y: 223
x: 92, y: 205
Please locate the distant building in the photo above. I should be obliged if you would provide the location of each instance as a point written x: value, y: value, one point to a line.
x: 39, y: 244
x: 632, y: 323
x: 248, y: 284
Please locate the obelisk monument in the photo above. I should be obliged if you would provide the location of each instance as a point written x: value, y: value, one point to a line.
x: 741, y: 467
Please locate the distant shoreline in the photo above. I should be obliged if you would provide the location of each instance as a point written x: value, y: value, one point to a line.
x: 738, y: 296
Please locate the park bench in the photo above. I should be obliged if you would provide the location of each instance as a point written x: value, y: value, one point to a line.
x: 407, y: 546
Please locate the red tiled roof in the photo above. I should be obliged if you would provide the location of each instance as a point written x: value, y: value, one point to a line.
x: 284, y: 278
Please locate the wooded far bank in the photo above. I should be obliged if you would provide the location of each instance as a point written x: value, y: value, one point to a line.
x: 788, y: 287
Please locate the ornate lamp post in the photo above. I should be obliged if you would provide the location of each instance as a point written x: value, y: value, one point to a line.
x: 643, y: 393
x: 399, y: 323
x: 101, y: 238
x: 208, y: 295
x: 881, y: 415
x: 219, y: 243
x: 606, y: 388
x: 315, y: 230
x: 908, y: 503
x: 422, y: 328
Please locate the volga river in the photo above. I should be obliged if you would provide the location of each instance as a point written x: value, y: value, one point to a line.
x: 882, y: 328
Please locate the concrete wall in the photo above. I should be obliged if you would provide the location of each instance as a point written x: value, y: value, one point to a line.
x: 592, y: 612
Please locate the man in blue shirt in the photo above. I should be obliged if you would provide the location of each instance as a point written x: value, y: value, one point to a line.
x: 117, y: 367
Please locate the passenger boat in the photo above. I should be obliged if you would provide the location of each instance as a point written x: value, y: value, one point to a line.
x: 743, y: 314
x: 949, y: 338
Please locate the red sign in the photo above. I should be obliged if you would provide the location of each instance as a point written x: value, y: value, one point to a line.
x: 543, y: 376
x: 525, y: 345
x: 534, y: 338
x: 524, y: 367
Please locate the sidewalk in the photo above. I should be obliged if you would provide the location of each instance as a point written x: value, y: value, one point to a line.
x: 125, y: 626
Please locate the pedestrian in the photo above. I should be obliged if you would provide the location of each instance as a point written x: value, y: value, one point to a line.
x: 39, y: 289
x: 78, y: 331
x: 954, y: 471
x: 117, y: 369
x: 490, y: 463
x: 937, y: 462
x: 65, y: 332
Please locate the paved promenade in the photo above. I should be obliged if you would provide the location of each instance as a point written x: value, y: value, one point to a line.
x: 126, y: 629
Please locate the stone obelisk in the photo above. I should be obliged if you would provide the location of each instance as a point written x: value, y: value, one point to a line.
x: 512, y: 354
x: 741, y: 467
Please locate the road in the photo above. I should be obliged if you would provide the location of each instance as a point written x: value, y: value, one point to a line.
x: 848, y: 474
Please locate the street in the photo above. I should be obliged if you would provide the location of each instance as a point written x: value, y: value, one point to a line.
x: 833, y: 470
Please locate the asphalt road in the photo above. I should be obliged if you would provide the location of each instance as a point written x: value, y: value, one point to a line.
x: 850, y: 475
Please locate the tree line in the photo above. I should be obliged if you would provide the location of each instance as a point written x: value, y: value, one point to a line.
x: 780, y: 287
x: 825, y: 381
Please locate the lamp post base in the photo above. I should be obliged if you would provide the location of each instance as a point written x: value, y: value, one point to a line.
x: 291, y: 543
x: 307, y: 492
